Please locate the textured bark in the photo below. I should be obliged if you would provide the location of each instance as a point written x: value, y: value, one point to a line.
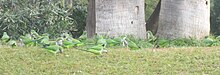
x: 152, y: 23
x: 91, y: 19
x: 184, y: 19
x: 119, y: 17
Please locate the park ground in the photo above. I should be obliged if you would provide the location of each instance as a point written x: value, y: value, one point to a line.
x: 118, y: 61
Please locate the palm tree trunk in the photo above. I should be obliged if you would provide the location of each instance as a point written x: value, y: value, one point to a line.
x: 118, y: 17
x: 91, y: 19
x: 184, y: 19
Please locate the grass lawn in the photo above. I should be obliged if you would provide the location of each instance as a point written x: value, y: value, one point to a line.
x: 180, y: 61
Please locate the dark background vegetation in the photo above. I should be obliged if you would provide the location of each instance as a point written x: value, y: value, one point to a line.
x: 215, y: 17
x: 18, y: 17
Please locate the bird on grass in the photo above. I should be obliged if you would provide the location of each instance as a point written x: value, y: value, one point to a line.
x: 44, y: 40
x: 68, y: 44
x: 12, y: 43
x: 54, y: 49
x: 209, y: 41
x: 59, y: 41
x: 69, y: 41
x: 102, y: 41
x: 55, y: 46
x: 112, y: 42
x: 5, y: 38
x: 83, y: 36
x: 77, y: 42
x: 65, y: 41
x: 34, y: 34
x: 97, y: 50
x: 27, y: 40
x: 130, y: 44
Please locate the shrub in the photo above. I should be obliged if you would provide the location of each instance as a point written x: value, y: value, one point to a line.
x: 21, y: 16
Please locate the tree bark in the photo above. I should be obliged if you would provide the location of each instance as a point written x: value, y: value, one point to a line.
x: 91, y: 19
x: 117, y: 18
x: 184, y: 19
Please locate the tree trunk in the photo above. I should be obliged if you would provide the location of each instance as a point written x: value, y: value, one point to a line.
x: 91, y: 19
x: 117, y: 17
x: 184, y: 19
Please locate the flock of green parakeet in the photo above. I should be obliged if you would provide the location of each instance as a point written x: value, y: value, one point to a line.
x: 99, y: 44
x: 96, y: 45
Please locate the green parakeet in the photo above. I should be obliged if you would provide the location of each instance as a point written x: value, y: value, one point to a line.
x: 66, y: 36
x: 77, y: 42
x: 59, y: 41
x: 27, y: 40
x: 12, y: 43
x: 102, y: 41
x: 118, y: 39
x: 53, y: 43
x: 95, y: 52
x: 97, y: 47
x: 54, y: 49
x: 111, y: 42
x: 83, y: 36
x: 218, y: 38
x: 45, y: 40
x: 98, y: 50
x: 89, y: 41
x: 5, y: 38
x: 34, y: 34
x: 132, y: 45
x: 68, y: 44
x: 70, y: 41
x: 163, y: 43
x: 208, y: 41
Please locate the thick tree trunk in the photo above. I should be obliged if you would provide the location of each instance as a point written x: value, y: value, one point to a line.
x: 91, y: 19
x: 184, y: 19
x: 118, y: 17
x: 152, y: 22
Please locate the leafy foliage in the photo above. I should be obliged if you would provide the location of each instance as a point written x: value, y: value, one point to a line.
x: 20, y: 16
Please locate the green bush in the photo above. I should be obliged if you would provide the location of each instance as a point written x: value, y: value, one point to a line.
x: 21, y: 16
x: 79, y: 15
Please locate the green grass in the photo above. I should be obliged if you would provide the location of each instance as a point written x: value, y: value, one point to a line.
x: 181, y: 61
